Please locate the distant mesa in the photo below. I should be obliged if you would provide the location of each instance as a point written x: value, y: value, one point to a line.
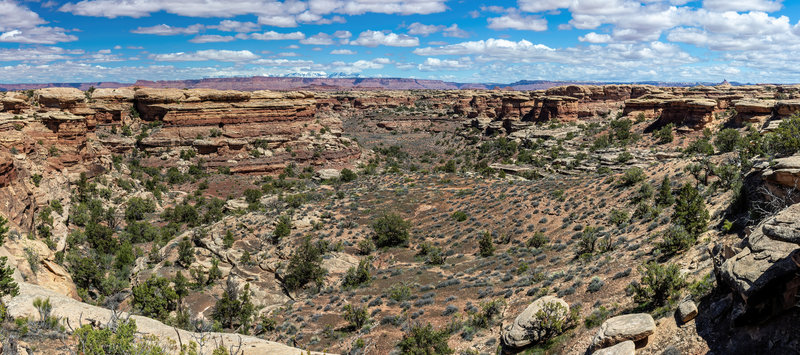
x: 333, y: 82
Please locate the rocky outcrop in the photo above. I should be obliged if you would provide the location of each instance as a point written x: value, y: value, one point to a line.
x: 784, y: 172
x: 73, y: 313
x: 763, y: 269
x: 522, y: 332
x: 633, y: 327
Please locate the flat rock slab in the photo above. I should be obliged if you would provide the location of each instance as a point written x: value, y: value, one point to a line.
x: 519, y: 333
x: 624, y: 348
x: 632, y: 327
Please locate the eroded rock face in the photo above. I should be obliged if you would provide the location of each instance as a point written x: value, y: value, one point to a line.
x: 764, y: 273
x: 522, y: 332
x: 633, y: 327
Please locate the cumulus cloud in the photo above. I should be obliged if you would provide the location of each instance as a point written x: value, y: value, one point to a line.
x: 21, y: 25
x: 40, y: 54
x: 275, y: 36
x: 376, y: 38
x: 593, y: 37
x: 436, y: 64
x: 319, y: 39
x: 518, y: 22
x: 342, y: 52
x: 167, y: 30
x: 743, y: 5
x: 206, y: 55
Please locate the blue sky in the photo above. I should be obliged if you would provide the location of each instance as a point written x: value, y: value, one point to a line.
x: 465, y: 41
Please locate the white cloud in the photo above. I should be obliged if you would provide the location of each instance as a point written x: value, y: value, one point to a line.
x: 454, y: 31
x: 278, y: 21
x: 342, y: 52
x: 21, y: 25
x: 375, y: 38
x: 743, y: 5
x: 593, y: 37
x: 167, y: 30
x: 206, y: 55
x: 518, y: 22
x: 15, y: 16
x: 236, y: 26
x: 37, y: 35
x: 319, y: 39
x: 542, y: 5
x: 358, y: 7
x: 417, y: 28
x: 211, y: 39
x: 436, y: 64
x: 275, y: 36
x: 39, y: 54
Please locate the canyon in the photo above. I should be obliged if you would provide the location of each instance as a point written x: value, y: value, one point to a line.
x: 224, y: 169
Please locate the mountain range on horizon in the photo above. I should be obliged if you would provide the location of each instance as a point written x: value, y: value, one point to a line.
x: 332, y: 82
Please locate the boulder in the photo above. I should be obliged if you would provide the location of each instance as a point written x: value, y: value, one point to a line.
x: 632, y: 327
x: 784, y: 171
x: 519, y: 333
x: 328, y: 174
x: 687, y: 310
x: 624, y: 348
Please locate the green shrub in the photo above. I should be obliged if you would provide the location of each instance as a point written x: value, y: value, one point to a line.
x: 690, y: 211
x: 138, y: 208
x: 597, y: 317
x: 390, y: 230
x: 664, y: 134
x: 632, y: 176
x: 660, y: 285
x: 728, y: 140
x: 676, y: 239
x: 552, y: 320
x: 347, y: 175
x: 785, y: 140
x: 185, y: 252
x: 155, y: 298
x: 486, y: 245
x: 664, y: 196
x: 587, y: 245
x: 485, y: 318
x: 358, y: 275
x: 117, y: 339
x: 538, y: 240
x: 283, y: 228
x: 459, y: 216
x: 305, y: 266
x: 424, y: 340
x: 356, y: 317
x: 400, y: 292
x: 700, y: 146
x: 234, y: 307
x: 366, y: 246
x: 618, y: 218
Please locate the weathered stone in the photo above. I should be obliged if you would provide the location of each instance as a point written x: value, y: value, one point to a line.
x: 519, y: 333
x: 784, y: 171
x: 764, y: 274
x: 59, y: 97
x: 75, y: 313
x: 624, y: 348
x: 328, y: 174
x: 632, y: 327
x: 687, y: 310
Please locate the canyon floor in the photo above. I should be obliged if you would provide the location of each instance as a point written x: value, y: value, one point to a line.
x: 420, y: 222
